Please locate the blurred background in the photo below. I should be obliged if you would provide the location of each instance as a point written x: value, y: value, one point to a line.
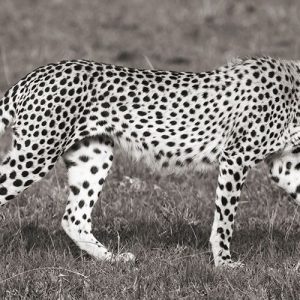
x: 192, y: 35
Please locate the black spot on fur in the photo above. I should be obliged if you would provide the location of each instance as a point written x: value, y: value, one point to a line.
x: 75, y: 190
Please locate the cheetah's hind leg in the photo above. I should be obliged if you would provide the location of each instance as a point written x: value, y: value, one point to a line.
x: 88, y: 163
x: 20, y: 168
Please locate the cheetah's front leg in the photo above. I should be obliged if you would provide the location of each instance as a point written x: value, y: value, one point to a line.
x: 88, y: 163
x: 230, y: 182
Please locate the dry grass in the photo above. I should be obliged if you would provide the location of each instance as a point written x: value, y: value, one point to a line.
x: 165, y: 221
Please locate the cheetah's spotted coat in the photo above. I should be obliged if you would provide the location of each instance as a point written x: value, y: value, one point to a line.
x: 234, y: 117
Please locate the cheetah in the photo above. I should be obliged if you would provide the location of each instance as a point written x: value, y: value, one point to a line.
x: 232, y: 118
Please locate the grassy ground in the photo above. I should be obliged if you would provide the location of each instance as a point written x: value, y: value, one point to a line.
x: 164, y: 221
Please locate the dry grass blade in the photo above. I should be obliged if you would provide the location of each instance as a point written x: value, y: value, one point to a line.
x: 148, y: 62
x: 43, y: 269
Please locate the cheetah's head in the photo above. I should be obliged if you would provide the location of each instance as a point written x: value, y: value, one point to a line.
x: 285, y: 172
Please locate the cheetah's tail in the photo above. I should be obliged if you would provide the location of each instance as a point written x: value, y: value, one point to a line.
x: 8, y: 108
